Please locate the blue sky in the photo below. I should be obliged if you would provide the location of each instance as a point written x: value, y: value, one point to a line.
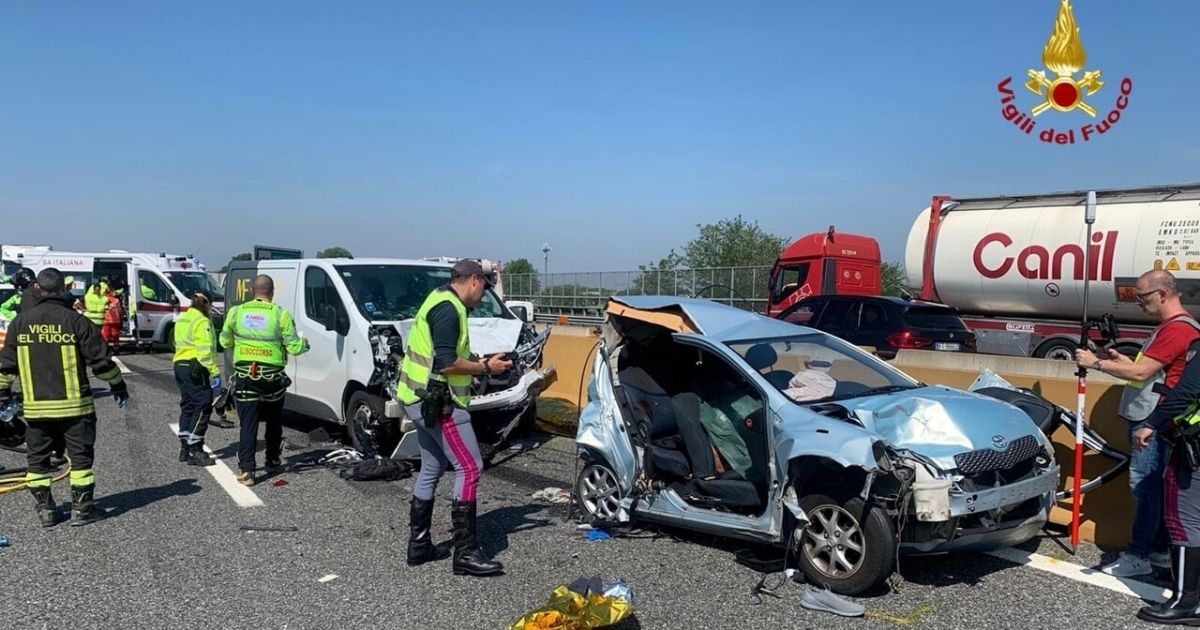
x: 608, y: 129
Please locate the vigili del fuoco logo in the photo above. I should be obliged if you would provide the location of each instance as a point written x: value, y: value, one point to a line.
x: 1065, y: 56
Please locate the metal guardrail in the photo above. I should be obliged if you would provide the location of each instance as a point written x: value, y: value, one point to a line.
x: 582, y: 296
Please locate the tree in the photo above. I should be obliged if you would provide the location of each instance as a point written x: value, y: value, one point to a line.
x: 520, y: 278
x: 733, y: 242
x: 335, y: 252
x: 892, y: 280
x: 240, y: 257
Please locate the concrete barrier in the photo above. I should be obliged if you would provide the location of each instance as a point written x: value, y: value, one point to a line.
x: 1107, y: 511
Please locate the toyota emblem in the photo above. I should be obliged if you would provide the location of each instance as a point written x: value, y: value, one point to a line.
x: 999, y: 442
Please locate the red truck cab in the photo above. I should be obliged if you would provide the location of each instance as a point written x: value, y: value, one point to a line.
x: 825, y: 263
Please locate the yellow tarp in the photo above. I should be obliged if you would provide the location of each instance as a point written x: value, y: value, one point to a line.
x: 568, y: 610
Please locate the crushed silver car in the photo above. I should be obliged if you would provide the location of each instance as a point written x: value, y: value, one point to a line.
x: 721, y: 421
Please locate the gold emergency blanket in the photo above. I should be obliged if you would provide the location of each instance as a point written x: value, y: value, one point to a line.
x: 568, y: 610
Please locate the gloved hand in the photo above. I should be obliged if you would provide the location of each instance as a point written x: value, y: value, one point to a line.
x: 216, y: 382
x: 120, y: 393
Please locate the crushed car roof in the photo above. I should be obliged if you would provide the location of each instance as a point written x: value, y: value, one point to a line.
x: 714, y: 320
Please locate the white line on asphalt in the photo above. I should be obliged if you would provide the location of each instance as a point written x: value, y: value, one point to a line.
x: 240, y: 494
x: 328, y: 578
x: 1072, y: 571
x: 120, y: 364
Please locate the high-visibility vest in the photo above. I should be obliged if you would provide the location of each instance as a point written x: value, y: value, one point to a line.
x: 261, y: 332
x: 1139, y: 398
x: 96, y: 304
x: 417, y: 369
x: 194, y: 340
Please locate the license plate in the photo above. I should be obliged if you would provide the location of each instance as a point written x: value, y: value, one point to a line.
x: 947, y: 347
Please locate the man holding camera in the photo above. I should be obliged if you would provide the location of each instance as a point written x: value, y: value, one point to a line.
x: 435, y: 388
x: 1155, y: 371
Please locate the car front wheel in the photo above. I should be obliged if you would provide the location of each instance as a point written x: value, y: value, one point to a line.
x: 848, y: 546
x: 598, y: 493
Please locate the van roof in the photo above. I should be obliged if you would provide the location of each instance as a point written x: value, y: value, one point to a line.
x: 410, y: 262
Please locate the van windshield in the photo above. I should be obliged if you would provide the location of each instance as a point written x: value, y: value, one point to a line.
x: 395, y: 292
x: 188, y: 282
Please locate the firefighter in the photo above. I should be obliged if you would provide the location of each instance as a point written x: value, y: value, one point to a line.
x: 50, y: 346
x: 21, y: 281
x: 262, y: 335
x: 1177, y: 420
x: 435, y: 387
x: 197, y: 375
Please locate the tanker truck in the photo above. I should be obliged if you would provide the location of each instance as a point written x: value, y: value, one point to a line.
x: 1013, y: 267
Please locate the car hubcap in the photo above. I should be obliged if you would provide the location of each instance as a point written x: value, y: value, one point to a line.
x: 833, y: 542
x: 599, y: 493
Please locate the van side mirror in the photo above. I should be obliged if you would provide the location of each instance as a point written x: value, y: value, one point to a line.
x: 330, y: 319
x: 520, y: 312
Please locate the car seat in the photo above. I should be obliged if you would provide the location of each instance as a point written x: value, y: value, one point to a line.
x: 729, y: 489
x: 762, y: 357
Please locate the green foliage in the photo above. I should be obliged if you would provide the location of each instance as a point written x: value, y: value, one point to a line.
x: 335, y: 252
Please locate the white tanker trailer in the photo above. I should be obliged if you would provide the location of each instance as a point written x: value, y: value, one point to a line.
x: 1013, y: 267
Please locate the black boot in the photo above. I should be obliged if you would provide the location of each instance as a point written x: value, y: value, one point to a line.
x: 1181, y: 608
x: 183, y: 450
x: 196, y: 456
x: 420, y: 543
x: 83, y: 506
x: 45, y: 506
x: 221, y: 422
x: 468, y: 558
x: 1176, y: 555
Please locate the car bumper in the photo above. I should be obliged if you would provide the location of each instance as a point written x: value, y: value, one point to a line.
x: 519, y: 395
x: 1008, y: 533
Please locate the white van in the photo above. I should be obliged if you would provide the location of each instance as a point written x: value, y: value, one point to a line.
x: 356, y: 314
x: 160, y: 285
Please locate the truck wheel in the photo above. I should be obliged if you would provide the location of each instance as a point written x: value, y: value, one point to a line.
x: 370, y: 432
x: 847, y: 545
x: 1057, y: 350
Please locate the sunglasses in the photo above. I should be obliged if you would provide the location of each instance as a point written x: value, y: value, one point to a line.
x: 1140, y: 298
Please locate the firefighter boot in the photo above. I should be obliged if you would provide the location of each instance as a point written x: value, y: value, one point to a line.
x: 83, y: 506
x: 1181, y: 609
x: 183, y: 450
x: 420, y: 543
x: 197, y: 456
x: 468, y: 558
x: 45, y: 506
x: 1176, y: 554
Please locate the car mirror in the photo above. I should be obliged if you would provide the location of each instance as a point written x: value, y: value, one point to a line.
x: 343, y: 323
x: 520, y: 312
x: 331, y: 318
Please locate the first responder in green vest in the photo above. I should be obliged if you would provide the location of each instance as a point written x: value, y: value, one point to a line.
x: 197, y: 375
x: 49, y: 347
x: 435, y: 386
x: 96, y: 302
x: 261, y: 335
x: 21, y: 281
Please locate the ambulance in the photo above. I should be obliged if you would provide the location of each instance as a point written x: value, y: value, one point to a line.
x: 160, y: 285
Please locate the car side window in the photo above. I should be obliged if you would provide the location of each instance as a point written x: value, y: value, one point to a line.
x: 804, y: 312
x: 839, y: 313
x: 319, y: 294
x: 152, y: 288
x: 873, y: 316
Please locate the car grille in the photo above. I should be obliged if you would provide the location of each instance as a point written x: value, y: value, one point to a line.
x: 988, y: 459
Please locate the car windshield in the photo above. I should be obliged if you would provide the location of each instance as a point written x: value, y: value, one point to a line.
x: 939, y: 318
x: 816, y: 367
x: 188, y: 282
x: 395, y: 292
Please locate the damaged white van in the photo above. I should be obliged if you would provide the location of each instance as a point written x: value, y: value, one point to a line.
x: 356, y: 314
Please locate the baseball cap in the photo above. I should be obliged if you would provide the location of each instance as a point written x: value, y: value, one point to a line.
x: 468, y: 268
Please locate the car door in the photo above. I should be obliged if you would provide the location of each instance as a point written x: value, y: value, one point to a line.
x: 324, y: 365
x: 602, y: 429
x: 153, y: 297
x: 805, y: 312
x: 872, y: 326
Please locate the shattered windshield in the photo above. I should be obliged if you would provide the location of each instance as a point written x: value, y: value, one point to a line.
x: 819, y: 368
x: 188, y: 282
x: 395, y: 292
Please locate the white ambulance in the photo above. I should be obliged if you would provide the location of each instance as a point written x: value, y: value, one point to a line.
x: 160, y: 285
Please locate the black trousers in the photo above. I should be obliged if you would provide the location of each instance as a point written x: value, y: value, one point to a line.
x: 250, y: 413
x: 195, y: 401
x: 79, y: 435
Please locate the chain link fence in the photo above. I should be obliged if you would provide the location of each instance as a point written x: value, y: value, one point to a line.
x: 582, y: 296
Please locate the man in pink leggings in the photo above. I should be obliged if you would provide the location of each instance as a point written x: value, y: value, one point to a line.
x: 435, y: 387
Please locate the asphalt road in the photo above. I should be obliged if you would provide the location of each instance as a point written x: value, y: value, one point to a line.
x: 173, y: 555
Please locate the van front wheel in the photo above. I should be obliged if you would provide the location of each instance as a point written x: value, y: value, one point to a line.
x: 371, y: 433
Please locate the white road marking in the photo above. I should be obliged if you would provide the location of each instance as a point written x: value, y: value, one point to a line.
x: 241, y: 495
x: 1072, y: 571
x: 328, y: 578
x: 121, y: 364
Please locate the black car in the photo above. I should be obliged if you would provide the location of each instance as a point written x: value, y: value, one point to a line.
x: 887, y: 324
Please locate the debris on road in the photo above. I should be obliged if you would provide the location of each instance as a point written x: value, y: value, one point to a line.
x: 552, y: 495
x: 328, y: 578
x: 279, y: 483
x: 378, y: 470
x: 598, y: 534
x: 582, y: 605
x: 3, y: 541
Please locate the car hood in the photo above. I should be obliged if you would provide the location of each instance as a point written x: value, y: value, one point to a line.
x: 489, y: 335
x: 939, y: 422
